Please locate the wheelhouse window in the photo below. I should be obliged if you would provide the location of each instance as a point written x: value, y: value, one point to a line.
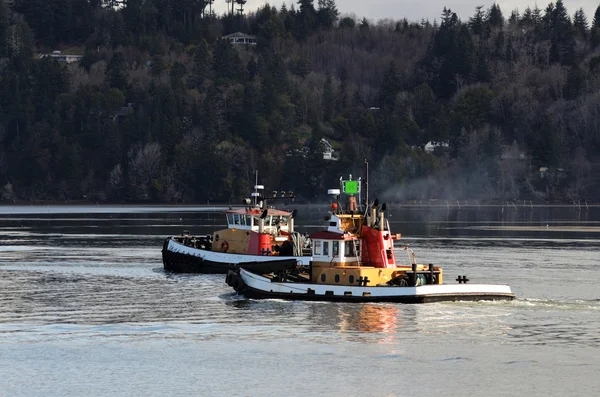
x: 326, y: 248
x: 335, y: 248
x: 230, y: 219
x: 349, y: 248
x: 317, y: 247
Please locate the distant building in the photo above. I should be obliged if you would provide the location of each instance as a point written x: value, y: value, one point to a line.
x: 328, y: 152
x: 60, y: 57
x: 123, y: 112
x: 513, y: 156
x: 431, y: 146
x: 240, y: 38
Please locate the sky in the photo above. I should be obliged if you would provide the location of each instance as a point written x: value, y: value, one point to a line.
x: 414, y: 10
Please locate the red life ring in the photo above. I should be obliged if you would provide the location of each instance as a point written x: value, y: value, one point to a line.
x: 224, y: 246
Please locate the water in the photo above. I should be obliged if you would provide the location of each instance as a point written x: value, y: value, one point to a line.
x: 86, y: 310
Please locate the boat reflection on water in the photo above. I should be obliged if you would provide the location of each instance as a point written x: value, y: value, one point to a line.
x: 370, y: 322
x: 372, y: 318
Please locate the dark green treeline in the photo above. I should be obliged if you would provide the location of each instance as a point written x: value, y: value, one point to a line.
x: 161, y: 109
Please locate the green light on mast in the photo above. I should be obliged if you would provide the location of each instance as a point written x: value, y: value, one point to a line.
x: 351, y: 187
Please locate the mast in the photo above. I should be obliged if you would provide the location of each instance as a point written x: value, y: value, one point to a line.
x: 366, y: 183
x: 256, y: 195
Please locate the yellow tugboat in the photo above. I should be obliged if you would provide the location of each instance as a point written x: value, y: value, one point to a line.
x: 258, y: 236
x: 354, y: 259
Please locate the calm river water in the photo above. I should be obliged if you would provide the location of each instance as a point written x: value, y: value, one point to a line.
x: 86, y: 310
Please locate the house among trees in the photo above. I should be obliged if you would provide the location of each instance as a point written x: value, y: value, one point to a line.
x: 123, y: 112
x: 431, y: 146
x: 240, y: 38
x: 328, y: 152
x: 60, y: 57
x: 509, y: 155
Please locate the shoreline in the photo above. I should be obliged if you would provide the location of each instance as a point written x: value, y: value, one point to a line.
x: 409, y: 203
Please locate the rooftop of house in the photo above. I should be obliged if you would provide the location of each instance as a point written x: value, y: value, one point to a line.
x: 238, y: 35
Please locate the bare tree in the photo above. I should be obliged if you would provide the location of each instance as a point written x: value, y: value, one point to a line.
x: 144, y: 164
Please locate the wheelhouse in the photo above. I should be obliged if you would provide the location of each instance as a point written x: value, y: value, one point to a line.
x: 275, y: 222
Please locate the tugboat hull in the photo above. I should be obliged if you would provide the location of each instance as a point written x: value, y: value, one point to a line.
x: 179, y: 258
x: 255, y: 286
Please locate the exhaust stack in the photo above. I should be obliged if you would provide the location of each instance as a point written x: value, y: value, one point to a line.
x: 382, y: 217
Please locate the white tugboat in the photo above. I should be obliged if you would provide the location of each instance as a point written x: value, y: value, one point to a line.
x: 354, y: 260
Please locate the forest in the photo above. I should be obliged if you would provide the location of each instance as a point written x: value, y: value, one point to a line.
x: 160, y: 106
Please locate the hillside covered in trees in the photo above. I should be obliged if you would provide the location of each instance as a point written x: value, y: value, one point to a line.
x: 160, y: 108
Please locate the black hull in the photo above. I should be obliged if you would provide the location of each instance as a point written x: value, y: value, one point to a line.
x: 183, y: 263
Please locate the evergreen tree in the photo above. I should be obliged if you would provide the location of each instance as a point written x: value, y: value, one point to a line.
x: 202, y: 64
x: 226, y: 62
x: 392, y: 84
x: 117, y: 31
x: 482, y: 69
x: 449, y: 18
x: 595, y: 30
x: 477, y: 20
x: 39, y: 14
x: 562, y: 40
x: 538, y: 23
x: 157, y: 65
x: 527, y: 19
x: 301, y: 67
x: 3, y: 29
x: 580, y: 23
x: 116, y: 71
x: 347, y: 23
x: 514, y: 18
x: 49, y: 80
x: 424, y: 106
x: 575, y: 81
x: 306, y: 18
x: 132, y: 16
x: 449, y: 59
x: 328, y: 99
x: 494, y: 17
x: 547, y: 20
x: 177, y: 72
x: 328, y: 13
